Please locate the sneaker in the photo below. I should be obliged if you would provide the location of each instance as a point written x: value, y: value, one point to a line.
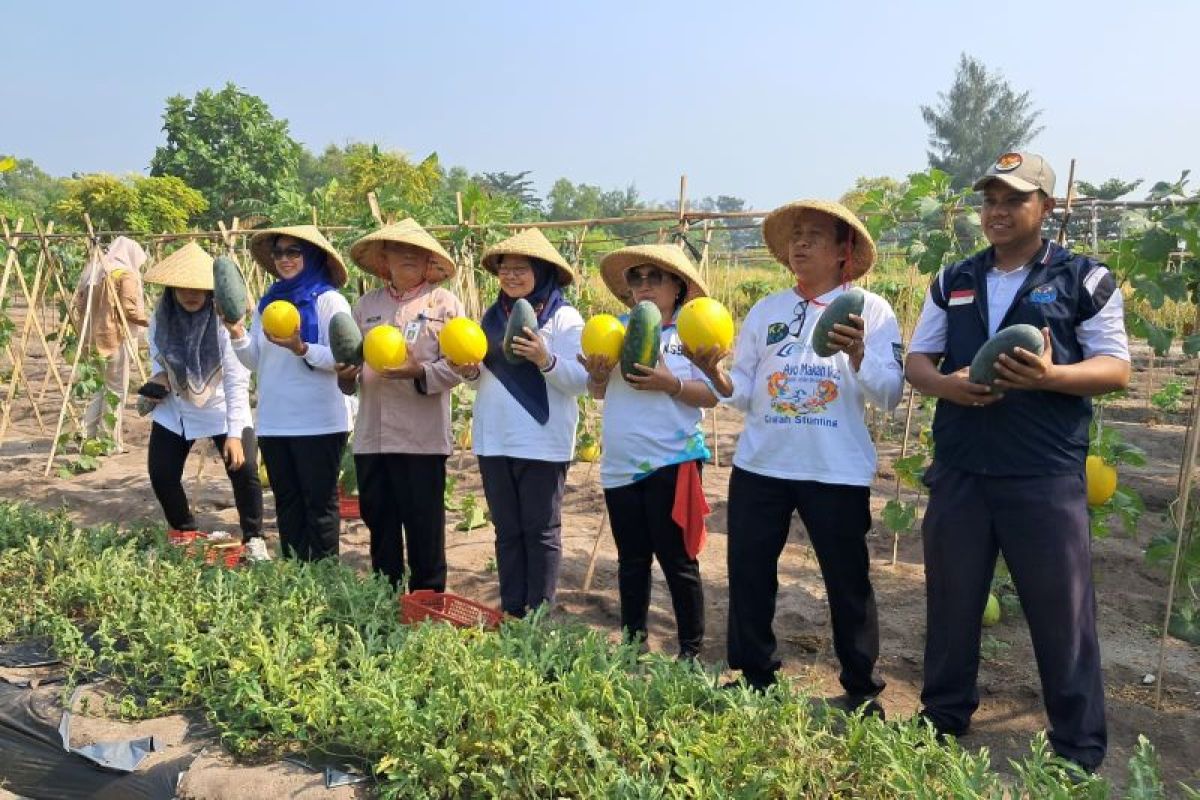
x: 256, y: 549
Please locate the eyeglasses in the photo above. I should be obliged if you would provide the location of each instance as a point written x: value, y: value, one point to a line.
x: 286, y: 253
x: 797, y: 324
x: 515, y: 272
x: 652, y: 278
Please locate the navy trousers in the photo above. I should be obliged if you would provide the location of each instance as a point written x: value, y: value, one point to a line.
x: 304, y: 473
x: 1040, y: 525
x: 837, y: 519
x: 402, y: 498
x: 524, y: 497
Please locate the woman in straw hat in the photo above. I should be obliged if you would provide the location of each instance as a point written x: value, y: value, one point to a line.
x: 302, y: 418
x: 525, y: 415
x: 805, y: 445
x: 402, y: 434
x: 654, y: 447
x: 205, y: 392
x: 111, y: 283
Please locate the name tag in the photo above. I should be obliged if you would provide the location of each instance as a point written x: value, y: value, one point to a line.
x: 961, y: 297
x: 411, y: 331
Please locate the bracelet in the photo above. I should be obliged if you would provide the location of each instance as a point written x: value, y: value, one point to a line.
x: 550, y: 366
x: 678, y: 391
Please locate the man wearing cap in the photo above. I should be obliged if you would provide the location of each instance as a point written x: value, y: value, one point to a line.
x: 805, y: 445
x: 1008, y: 470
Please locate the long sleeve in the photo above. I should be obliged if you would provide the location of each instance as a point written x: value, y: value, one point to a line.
x: 129, y: 289
x: 745, y: 364
x: 248, y: 348
x: 236, y: 382
x: 881, y: 374
x: 566, y: 330
x: 439, y: 377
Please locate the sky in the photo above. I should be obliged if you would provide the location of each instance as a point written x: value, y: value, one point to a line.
x: 766, y: 101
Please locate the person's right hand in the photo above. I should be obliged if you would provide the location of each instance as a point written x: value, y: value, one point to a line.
x: 708, y: 359
x: 236, y: 329
x: 956, y: 388
x: 347, y: 373
x: 467, y: 372
x: 598, y: 367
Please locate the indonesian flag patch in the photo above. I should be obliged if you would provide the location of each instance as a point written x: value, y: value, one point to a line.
x: 962, y: 297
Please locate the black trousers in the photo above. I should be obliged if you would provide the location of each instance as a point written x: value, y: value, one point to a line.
x: 837, y: 518
x: 165, y: 459
x: 524, y: 497
x: 640, y: 514
x: 1040, y: 524
x: 304, y: 471
x: 402, y: 500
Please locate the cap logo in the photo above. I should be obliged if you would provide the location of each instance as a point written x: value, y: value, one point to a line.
x: 1008, y: 162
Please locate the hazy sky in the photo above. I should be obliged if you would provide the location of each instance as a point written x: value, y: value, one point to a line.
x: 766, y: 101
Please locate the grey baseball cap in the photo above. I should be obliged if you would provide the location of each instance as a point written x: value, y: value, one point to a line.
x: 1025, y: 172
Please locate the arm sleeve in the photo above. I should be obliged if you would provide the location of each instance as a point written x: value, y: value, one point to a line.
x: 1101, y: 329
x: 745, y: 363
x: 319, y: 355
x: 565, y: 331
x: 236, y: 382
x: 929, y: 336
x: 439, y: 377
x: 248, y: 347
x: 881, y: 374
x: 130, y: 292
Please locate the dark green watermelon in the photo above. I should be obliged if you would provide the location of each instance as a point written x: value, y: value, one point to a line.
x: 643, y: 334
x: 837, y: 312
x: 521, y: 317
x: 345, y: 339
x: 229, y: 290
x: 1005, y: 341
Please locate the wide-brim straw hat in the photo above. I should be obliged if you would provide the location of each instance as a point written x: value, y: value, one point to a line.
x: 262, y: 242
x: 777, y: 232
x: 367, y: 252
x: 667, y: 257
x: 189, y: 267
x: 530, y: 243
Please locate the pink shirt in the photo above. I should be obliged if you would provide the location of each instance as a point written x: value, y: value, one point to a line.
x: 405, y: 416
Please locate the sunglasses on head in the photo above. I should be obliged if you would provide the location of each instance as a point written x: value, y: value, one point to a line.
x: 289, y: 253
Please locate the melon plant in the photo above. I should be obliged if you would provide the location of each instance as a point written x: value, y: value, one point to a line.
x: 519, y: 318
x: 642, y: 336
x: 837, y: 312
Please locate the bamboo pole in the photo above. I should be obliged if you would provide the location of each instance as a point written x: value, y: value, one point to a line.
x: 1066, y: 217
x: 128, y: 342
x: 11, y: 260
x: 21, y: 353
x: 591, y: 567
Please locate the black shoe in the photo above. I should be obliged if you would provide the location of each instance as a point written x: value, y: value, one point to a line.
x: 939, y: 730
x: 755, y: 684
x: 849, y: 704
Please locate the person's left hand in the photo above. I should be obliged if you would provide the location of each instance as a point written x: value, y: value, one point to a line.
x: 234, y: 455
x: 293, y: 342
x: 1026, y: 370
x: 531, y: 347
x: 658, y: 379
x: 409, y: 370
x: 850, y: 340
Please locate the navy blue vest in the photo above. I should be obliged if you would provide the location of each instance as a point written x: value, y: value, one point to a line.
x: 1027, y: 433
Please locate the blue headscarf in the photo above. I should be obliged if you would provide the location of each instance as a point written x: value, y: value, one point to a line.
x: 523, y: 381
x: 303, y: 289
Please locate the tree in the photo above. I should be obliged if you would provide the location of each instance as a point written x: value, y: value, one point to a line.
x: 136, y: 203
x: 1111, y: 189
x: 513, y: 184
x: 25, y: 189
x: 228, y: 146
x: 980, y: 118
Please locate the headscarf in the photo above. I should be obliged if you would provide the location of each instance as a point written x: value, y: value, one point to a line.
x: 188, y: 346
x: 524, y: 381
x: 302, y: 290
x: 121, y: 253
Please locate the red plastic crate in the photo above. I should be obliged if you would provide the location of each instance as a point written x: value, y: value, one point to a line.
x: 446, y: 607
x: 227, y: 555
x: 183, y: 537
x: 348, y: 507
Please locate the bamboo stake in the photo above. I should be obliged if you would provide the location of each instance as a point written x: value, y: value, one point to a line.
x: 21, y: 353
x: 591, y: 567
x: 1066, y: 217
x: 11, y: 260
x: 903, y: 452
x: 128, y: 342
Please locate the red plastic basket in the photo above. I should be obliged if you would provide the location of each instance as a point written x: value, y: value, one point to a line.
x: 227, y: 555
x: 445, y: 607
x: 348, y: 506
x: 183, y: 537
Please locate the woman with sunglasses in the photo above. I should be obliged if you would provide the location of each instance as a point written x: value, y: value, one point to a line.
x: 523, y: 427
x: 805, y: 445
x: 653, y: 448
x: 303, y: 421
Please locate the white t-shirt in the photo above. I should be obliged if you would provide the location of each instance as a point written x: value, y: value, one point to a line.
x: 297, y: 396
x: 644, y: 431
x: 805, y: 414
x: 501, y: 426
x: 1101, y: 335
x: 227, y: 409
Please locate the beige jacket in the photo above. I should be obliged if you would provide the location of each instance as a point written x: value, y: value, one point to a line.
x: 405, y: 416
x: 122, y: 266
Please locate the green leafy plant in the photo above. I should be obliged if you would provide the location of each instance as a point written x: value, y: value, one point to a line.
x: 1170, y: 397
x: 1126, y: 504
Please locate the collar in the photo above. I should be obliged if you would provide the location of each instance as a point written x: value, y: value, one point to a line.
x: 407, y: 294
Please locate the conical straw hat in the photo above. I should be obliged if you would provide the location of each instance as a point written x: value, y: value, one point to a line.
x: 189, y: 267
x: 262, y: 242
x: 668, y: 257
x: 777, y: 231
x: 367, y: 252
x: 531, y: 243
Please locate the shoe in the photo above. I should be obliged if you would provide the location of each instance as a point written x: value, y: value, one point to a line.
x: 852, y: 704
x: 758, y: 685
x: 940, y: 731
x: 256, y: 549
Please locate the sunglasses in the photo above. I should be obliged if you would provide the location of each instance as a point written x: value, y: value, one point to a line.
x: 286, y: 253
x: 514, y: 271
x: 652, y: 278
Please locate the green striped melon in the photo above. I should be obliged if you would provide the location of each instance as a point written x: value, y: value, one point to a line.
x: 643, y: 334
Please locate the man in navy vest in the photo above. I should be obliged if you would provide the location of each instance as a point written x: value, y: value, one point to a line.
x: 1008, y: 469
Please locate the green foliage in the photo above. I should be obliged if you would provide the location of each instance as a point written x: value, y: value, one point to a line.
x: 311, y: 658
x: 929, y: 221
x: 1111, y: 189
x: 25, y: 190
x: 980, y: 118
x: 1126, y: 503
x: 1170, y: 396
x: 228, y: 146
x: 135, y: 203
x: 515, y: 185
